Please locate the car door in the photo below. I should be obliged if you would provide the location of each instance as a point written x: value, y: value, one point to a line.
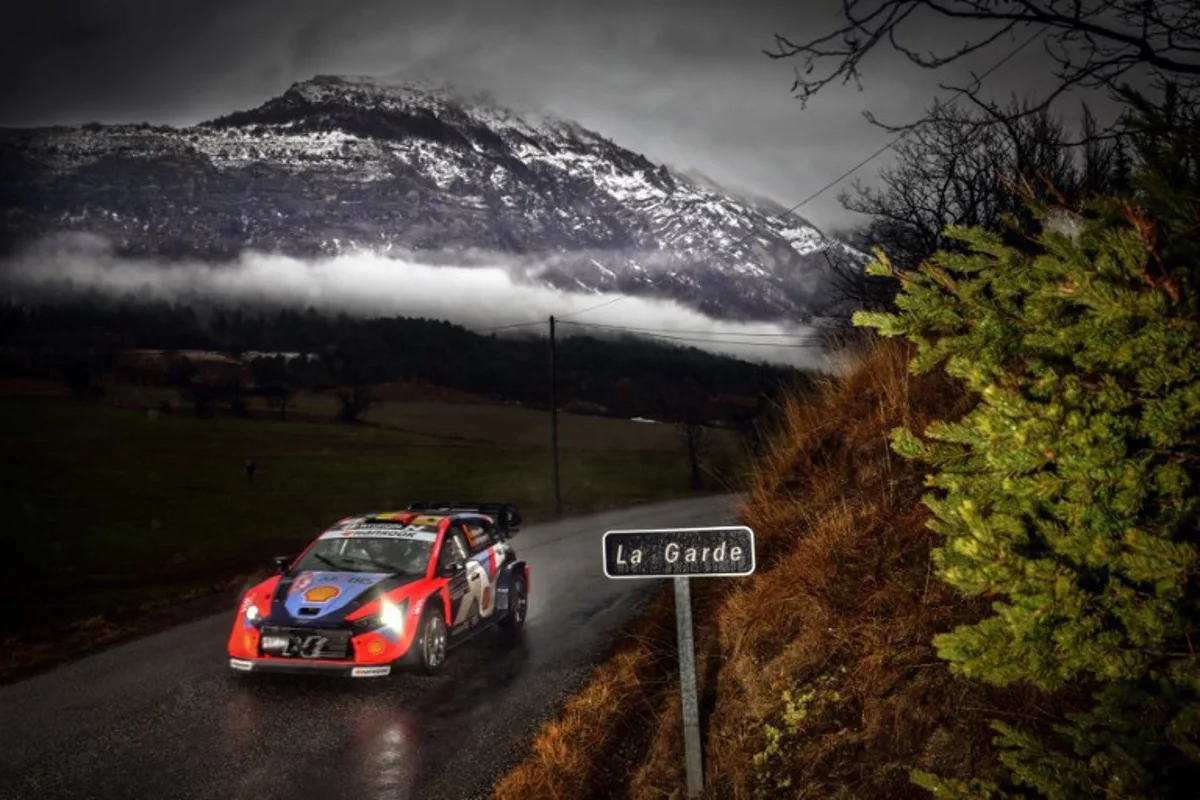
x: 454, y: 551
x: 483, y: 563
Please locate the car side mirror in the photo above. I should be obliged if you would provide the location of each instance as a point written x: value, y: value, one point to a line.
x: 281, y: 563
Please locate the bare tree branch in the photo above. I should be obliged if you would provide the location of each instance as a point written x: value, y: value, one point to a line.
x: 849, y: 287
x: 955, y: 170
x: 1094, y: 43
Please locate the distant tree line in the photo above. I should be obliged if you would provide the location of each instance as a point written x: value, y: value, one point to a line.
x: 78, y: 337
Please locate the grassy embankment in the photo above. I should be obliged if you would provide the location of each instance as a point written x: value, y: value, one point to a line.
x: 115, y: 515
x: 816, y: 675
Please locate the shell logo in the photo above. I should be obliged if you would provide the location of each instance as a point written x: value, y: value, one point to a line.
x: 321, y: 594
x: 376, y: 647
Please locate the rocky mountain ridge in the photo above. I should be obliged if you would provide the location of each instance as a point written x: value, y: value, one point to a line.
x: 337, y: 164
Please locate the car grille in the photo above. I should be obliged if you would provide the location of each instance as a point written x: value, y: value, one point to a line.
x: 308, y: 643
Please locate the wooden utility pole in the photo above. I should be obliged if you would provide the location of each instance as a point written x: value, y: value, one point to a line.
x: 554, y: 418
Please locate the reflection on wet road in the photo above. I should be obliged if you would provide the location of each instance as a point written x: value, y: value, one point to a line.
x: 163, y: 717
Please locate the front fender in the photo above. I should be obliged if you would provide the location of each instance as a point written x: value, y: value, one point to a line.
x: 440, y: 598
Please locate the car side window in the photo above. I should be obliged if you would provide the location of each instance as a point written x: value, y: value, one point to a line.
x: 479, y: 535
x: 453, y: 549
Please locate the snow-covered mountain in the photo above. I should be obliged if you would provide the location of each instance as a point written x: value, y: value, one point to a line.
x: 342, y: 163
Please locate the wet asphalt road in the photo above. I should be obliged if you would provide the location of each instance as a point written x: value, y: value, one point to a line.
x: 163, y: 717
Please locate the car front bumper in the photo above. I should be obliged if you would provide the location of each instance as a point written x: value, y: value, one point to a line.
x: 294, y: 666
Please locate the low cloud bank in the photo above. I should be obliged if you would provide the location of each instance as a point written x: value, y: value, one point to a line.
x: 477, y: 297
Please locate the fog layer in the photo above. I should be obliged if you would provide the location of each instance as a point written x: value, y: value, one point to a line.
x: 478, y: 297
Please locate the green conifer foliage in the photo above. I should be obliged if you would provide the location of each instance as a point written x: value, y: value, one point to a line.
x: 1069, y: 493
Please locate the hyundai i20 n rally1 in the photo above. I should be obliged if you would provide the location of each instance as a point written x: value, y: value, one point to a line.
x: 384, y: 592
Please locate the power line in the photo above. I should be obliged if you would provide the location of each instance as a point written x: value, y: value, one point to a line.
x: 513, y: 325
x: 839, y: 178
x: 896, y: 140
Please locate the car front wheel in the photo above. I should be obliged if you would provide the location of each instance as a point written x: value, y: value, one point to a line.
x: 430, y: 644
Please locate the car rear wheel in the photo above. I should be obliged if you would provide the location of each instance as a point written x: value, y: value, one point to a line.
x: 518, y: 605
x: 430, y: 645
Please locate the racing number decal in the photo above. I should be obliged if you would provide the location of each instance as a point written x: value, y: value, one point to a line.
x: 473, y: 590
x: 481, y: 587
x: 486, y: 566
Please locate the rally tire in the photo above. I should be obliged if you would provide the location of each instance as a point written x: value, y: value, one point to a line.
x: 429, y: 645
x: 518, y: 606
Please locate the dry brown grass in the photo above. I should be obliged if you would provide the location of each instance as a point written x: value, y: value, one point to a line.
x: 817, y: 676
x: 623, y: 693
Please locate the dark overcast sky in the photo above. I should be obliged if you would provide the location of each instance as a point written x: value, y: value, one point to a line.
x: 682, y: 82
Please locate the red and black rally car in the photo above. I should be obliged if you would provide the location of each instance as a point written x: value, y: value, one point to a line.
x: 385, y: 591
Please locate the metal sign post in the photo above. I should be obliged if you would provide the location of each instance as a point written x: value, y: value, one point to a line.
x: 681, y: 554
x: 687, y: 685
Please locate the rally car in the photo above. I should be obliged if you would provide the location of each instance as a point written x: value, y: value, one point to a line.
x: 385, y: 592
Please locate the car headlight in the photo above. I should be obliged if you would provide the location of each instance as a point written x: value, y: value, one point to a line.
x: 392, y: 614
x: 253, y: 615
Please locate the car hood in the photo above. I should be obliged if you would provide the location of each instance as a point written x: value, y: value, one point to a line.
x: 328, y: 596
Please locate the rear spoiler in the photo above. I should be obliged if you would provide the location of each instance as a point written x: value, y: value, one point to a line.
x: 507, y: 515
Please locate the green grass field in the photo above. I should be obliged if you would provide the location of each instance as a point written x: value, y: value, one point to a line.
x: 480, y: 422
x: 108, y: 507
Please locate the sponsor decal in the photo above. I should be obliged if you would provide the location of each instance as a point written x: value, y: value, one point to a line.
x: 322, y: 594
x: 247, y: 601
x: 248, y: 641
x: 415, y: 532
x: 301, y: 583
x: 241, y: 664
x: 305, y: 647
x: 376, y: 647
x: 329, y: 591
x: 370, y: 672
x: 294, y: 645
x: 391, y: 530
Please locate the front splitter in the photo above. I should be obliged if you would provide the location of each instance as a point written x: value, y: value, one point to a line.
x: 301, y: 668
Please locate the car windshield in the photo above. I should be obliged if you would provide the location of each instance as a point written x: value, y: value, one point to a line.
x: 368, y: 554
